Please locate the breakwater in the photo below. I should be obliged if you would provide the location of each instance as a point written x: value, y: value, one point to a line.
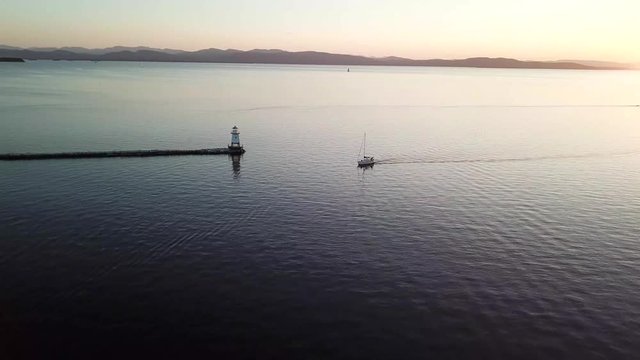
x: 11, y: 59
x: 116, y: 154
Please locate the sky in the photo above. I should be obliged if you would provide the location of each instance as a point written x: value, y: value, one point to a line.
x: 524, y: 29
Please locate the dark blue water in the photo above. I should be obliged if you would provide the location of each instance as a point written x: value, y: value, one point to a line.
x: 502, y: 221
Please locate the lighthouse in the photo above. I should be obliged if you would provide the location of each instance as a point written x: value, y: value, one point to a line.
x: 235, y: 147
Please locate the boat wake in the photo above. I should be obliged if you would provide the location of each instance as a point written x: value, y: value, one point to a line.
x: 432, y: 160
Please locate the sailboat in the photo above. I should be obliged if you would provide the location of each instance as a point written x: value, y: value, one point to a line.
x: 366, y: 160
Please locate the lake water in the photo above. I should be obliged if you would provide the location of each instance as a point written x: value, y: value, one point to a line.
x: 502, y: 221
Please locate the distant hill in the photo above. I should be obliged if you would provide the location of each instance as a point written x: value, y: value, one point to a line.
x: 82, y: 50
x: 7, y: 47
x: 596, y: 63
x: 276, y: 56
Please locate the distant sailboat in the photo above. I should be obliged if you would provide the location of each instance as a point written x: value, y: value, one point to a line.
x: 366, y: 160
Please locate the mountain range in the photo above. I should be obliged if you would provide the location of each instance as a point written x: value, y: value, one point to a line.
x: 276, y: 56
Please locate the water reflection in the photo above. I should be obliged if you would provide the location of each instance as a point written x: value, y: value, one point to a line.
x: 362, y: 170
x: 235, y: 165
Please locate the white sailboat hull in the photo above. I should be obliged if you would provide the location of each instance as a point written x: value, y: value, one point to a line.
x: 367, y: 161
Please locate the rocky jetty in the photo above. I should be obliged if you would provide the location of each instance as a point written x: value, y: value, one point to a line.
x: 115, y: 154
x: 11, y: 59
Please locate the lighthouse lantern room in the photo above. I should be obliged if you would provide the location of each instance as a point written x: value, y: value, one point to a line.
x: 235, y: 146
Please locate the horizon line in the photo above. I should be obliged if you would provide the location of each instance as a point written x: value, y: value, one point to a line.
x: 565, y: 59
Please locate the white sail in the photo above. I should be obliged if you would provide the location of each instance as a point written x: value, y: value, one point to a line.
x: 366, y: 160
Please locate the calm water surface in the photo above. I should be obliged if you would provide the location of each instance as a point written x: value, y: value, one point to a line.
x: 502, y: 221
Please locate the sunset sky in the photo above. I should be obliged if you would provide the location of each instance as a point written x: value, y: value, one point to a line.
x: 524, y: 29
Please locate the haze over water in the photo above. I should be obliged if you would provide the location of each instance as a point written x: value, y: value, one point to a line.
x: 501, y: 221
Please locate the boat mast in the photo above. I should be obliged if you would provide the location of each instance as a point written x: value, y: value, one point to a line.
x: 365, y: 145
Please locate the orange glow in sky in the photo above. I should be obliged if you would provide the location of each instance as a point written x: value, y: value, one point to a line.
x: 525, y: 29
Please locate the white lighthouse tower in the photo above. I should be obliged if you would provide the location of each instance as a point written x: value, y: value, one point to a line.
x: 235, y: 147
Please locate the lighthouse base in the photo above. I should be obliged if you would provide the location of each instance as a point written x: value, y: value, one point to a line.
x: 236, y: 150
